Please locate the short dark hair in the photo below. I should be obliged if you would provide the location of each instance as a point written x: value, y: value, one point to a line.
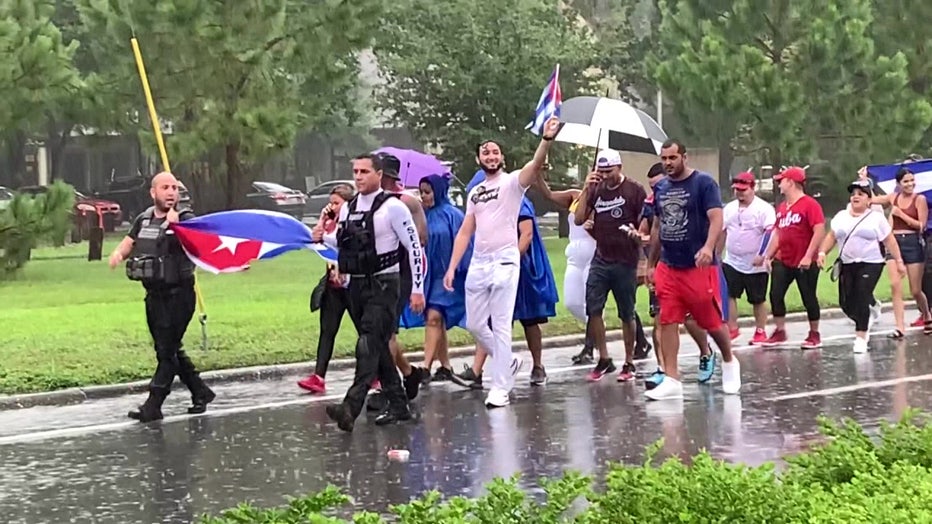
x: 344, y: 191
x: 655, y: 170
x: 489, y: 141
x: 375, y: 159
x: 670, y: 142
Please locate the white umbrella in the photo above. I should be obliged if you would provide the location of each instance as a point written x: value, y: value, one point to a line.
x: 606, y: 123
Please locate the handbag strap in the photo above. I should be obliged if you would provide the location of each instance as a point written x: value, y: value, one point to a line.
x: 842, y: 248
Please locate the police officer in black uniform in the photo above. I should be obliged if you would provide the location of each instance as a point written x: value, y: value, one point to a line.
x: 155, y: 258
x: 371, y: 228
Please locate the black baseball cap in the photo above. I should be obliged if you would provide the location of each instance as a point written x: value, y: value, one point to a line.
x: 391, y: 166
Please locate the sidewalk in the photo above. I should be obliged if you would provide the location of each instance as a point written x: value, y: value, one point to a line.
x: 279, y: 371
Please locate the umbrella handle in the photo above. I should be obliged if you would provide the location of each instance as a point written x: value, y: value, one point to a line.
x: 597, y: 142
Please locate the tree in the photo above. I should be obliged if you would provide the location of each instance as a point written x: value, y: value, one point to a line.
x: 455, y: 74
x: 29, y: 220
x: 238, y: 78
x: 901, y: 26
x: 36, y: 67
x: 795, y: 81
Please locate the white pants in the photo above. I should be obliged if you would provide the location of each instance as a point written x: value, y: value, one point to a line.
x: 578, y: 258
x: 491, y: 288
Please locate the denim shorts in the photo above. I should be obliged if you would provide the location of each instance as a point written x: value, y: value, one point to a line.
x: 912, y: 247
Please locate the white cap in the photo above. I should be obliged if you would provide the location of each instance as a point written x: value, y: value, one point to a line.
x: 608, y: 158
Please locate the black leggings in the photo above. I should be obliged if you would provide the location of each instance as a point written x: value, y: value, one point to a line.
x: 856, y: 291
x: 807, y: 280
x: 333, y: 304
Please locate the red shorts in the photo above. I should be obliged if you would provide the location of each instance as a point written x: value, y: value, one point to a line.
x: 694, y: 291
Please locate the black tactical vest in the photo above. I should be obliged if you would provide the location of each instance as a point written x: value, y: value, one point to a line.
x: 157, y: 259
x: 356, y: 241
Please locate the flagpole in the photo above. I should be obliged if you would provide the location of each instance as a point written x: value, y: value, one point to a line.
x: 163, y: 152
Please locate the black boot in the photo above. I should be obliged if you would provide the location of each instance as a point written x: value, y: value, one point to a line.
x: 151, y: 409
x: 200, y: 400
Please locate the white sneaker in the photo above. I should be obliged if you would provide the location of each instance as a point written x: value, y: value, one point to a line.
x: 670, y: 388
x: 731, y: 376
x: 860, y: 345
x: 497, y: 398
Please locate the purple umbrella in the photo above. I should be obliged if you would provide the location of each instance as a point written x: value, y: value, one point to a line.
x: 415, y: 165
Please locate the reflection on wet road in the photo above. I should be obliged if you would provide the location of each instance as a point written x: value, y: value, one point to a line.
x: 174, y: 471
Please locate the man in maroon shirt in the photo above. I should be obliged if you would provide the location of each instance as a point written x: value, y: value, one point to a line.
x: 614, y: 202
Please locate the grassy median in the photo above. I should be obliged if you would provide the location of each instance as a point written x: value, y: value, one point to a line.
x: 68, y: 322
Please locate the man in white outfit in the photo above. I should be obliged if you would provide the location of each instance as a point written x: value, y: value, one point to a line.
x: 492, y: 210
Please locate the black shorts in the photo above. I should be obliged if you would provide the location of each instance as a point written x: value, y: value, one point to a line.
x: 531, y: 322
x: 754, y: 285
x: 912, y: 247
x: 620, y: 279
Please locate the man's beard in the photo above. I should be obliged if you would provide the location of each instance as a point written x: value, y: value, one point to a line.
x: 163, y: 206
x: 494, y: 168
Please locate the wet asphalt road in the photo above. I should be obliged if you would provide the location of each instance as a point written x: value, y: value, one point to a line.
x: 263, y: 441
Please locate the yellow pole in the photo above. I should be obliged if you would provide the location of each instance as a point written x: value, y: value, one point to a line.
x: 157, y: 129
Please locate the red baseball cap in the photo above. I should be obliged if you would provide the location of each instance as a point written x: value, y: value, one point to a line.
x: 794, y: 173
x: 743, y: 180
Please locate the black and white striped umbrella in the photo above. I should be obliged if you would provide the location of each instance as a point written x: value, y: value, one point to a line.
x: 606, y: 123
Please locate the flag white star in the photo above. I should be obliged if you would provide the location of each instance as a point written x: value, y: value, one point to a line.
x: 229, y: 243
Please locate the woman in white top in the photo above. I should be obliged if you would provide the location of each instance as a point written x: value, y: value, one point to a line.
x: 859, y: 231
x: 579, y: 252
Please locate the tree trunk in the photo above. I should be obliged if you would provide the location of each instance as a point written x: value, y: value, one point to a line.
x: 726, y: 157
x: 16, y: 158
x: 237, y: 183
x: 57, y: 141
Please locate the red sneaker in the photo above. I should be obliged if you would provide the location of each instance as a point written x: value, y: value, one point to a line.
x: 778, y: 337
x: 760, y: 337
x: 735, y: 333
x: 376, y: 385
x: 813, y: 341
x: 918, y: 323
x: 313, y: 383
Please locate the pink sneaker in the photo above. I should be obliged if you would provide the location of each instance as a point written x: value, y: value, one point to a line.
x: 813, y: 341
x: 376, y: 385
x: 313, y: 383
x: 760, y: 337
x: 918, y: 323
x: 734, y: 333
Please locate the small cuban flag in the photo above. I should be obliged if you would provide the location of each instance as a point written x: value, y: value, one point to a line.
x: 549, y: 103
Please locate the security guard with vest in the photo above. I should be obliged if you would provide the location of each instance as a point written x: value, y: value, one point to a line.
x: 371, y: 228
x: 155, y: 258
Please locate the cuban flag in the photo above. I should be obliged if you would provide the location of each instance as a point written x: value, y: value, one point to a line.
x: 885, y: 176
x: 549, y: 103
x: 227, y: 241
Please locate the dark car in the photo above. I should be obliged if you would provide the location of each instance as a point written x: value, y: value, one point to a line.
x: 276, y: 197
x: 319, y: 197
x: 133, y: 194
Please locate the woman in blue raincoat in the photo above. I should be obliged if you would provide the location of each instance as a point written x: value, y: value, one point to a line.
x: 444, y: 309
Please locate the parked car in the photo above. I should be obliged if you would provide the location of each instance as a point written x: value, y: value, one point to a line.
x: 85, y: 206
x: 133, y: 196
x: 319, y: 197
x: 5, y: 197
x: 276, y: 197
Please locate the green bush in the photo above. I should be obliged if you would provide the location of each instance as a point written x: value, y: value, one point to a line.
x: 31, y: 219
x: 851, y: 477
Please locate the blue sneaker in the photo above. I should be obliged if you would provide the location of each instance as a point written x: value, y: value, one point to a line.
x: 655, y: 379
x: 706, y: 368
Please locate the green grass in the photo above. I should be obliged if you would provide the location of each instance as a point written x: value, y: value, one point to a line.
x: 68, y: 322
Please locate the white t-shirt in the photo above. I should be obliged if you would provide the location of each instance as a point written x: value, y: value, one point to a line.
x: 496, y: 203
x: 394, y: 227
x: 745, y: 227
x: 864, y: 243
